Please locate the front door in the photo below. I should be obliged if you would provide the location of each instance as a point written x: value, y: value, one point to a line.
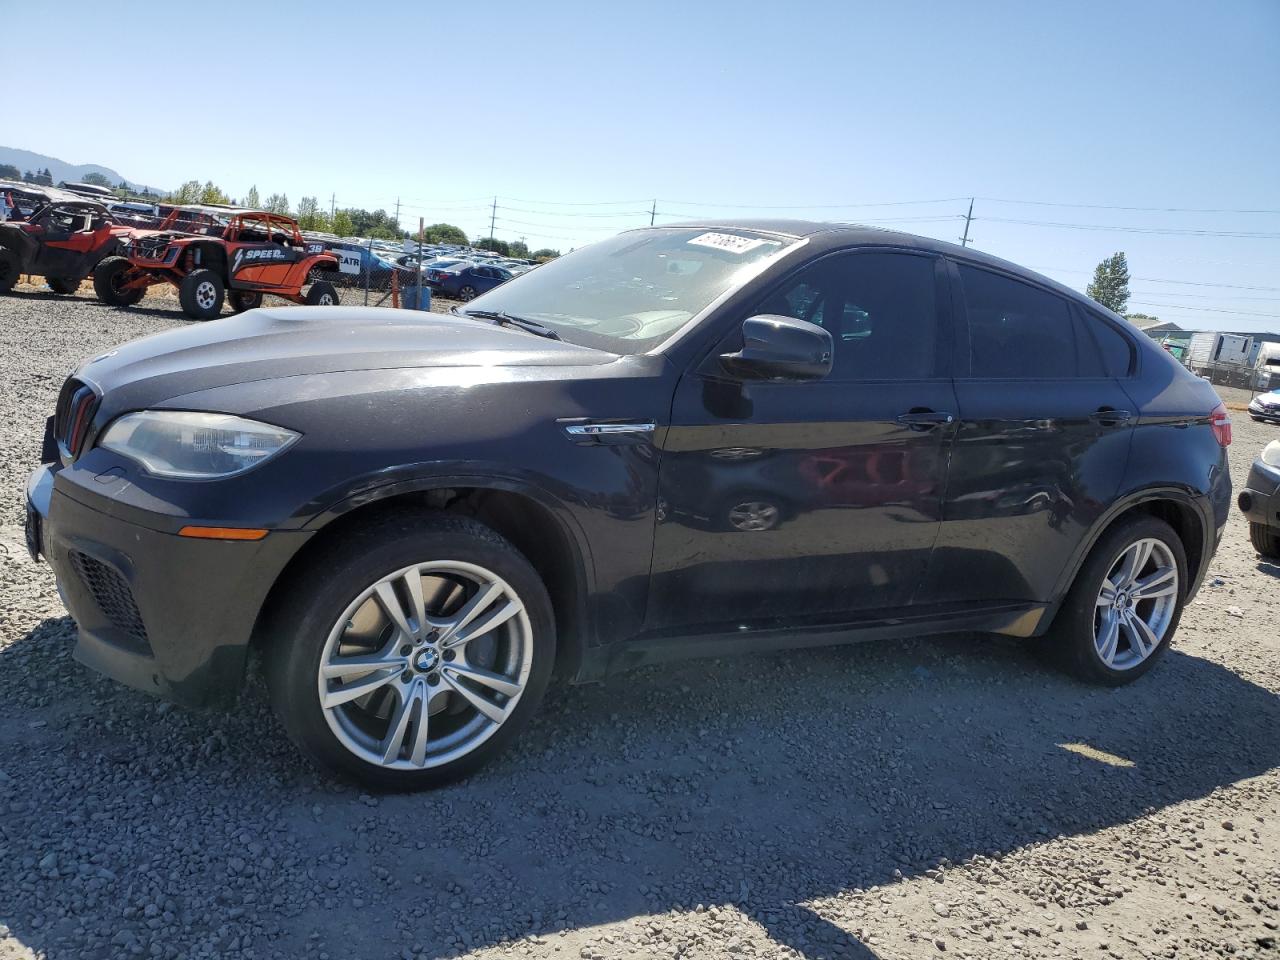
x: 811, y: 502
x: 70, y: 235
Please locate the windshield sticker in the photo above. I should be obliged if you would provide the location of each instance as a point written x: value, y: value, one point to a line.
x: 730, y: 243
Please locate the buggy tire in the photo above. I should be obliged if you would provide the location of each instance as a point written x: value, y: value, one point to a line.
x: 10, y: 269
x: 63, y: 285
x: 242, y: 300
x: 201, y: 293
x: 107, y: 278
x: 320, y: 597
x: 1265, y: 540
x: 1074, y: 639
x: 322, y: 293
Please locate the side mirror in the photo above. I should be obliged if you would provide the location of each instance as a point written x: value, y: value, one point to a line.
x: 775, y: 347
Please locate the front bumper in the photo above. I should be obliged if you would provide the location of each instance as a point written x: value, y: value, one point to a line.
x: 1260, y: 498
x: 1264, y: 411
x: 159, y: 612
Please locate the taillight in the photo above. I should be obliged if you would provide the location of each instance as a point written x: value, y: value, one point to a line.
x: 1220, y: 421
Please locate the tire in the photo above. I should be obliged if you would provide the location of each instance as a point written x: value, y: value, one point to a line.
x: 331, y: 601
x: 322, y: 293
x: 201, y: 293
x: 467, y: 293
x: 242, y: 300
x: 10, y: 269
x: 1072, y: 638
x: 63, y: 285
x: 1265, y: 540
x: 108, y: 276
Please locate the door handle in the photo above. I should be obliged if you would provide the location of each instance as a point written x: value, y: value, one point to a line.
x: 925, y: 419
x: 1110, y: 416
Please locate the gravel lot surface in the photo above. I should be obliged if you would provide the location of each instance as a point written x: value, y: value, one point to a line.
x: 917, y: 799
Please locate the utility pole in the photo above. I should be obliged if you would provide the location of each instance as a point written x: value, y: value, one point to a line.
x: 653, y: 212
x: 968, y: 218
x: 333, y: 202
x: 397, y: 210
x: 492, y: 218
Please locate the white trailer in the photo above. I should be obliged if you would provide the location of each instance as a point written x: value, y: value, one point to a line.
x: 1208, y: 351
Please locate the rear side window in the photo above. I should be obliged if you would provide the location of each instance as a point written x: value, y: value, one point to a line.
x: 1114, y: 356
x: 1016, y: 331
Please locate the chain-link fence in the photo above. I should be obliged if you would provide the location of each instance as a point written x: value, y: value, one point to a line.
x: 1238, y: 375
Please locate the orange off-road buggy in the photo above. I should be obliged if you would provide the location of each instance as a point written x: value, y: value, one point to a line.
x: 212, y: 253
x: 54, y: 234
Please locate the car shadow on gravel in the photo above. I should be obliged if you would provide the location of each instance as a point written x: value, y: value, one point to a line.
x: 762, y: 785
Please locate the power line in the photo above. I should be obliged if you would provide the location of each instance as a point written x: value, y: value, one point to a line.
x: 1184, y: 283
x: 1168, y: 231
x: 1102, y: 206
x: 810, y: 206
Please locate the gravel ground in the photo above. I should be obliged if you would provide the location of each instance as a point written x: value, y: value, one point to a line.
x: 912, y: 799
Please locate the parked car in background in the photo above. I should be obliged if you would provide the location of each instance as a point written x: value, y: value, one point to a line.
x: 1259, y: 501
x: 92, y: 190
x: 1266, y: 406
x: 418, y: 519
x: 63, y: 239
x: 468, y: 282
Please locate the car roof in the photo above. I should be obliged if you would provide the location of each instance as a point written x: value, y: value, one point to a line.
x: 49, y: 194
x: 834, y: 235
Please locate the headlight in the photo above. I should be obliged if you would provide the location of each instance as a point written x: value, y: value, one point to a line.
x: 1271, y: 453
x: 194, y: 446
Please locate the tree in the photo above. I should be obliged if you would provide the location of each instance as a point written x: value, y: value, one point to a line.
x: 496, y: 246
x: 545, y: 254
x: 342, y: 224
x: 277, y: 203
x: 445, y: 233
x: 188, y: 193
x: 1140, y: 316
x: 97, y: 179
x: 9, y: 172
x: 251, y: 199
x: 1110, y: 285
x: 520, y: 249
x: 45, y: 177
x: 376, y: 224
x: 28, y: 177
x: 309, y: 216
x: 211, y: 194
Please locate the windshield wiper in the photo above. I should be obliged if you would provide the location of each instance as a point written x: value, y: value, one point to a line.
x: 504, y: 319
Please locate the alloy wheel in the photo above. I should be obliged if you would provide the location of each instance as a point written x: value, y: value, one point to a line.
x: 425, y: 665
x: 754, y: 516
x: 1136, y: 604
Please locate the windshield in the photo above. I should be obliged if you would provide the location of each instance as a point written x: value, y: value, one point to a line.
x: 629, y: 293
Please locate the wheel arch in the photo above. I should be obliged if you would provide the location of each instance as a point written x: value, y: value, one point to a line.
x: 528, y: 519
x: 212, y: 257
x: 1176, y: 506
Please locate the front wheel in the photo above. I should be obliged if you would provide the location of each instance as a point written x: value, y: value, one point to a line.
x: 411, y: 651
x: 200, y: 294
x: 109, y: 278
x: 467, y: 293
x: 1265, y: 540
x: 322, y: 294
x: 63, y: 285
x: 1121, y: 613
x: 10, y: 269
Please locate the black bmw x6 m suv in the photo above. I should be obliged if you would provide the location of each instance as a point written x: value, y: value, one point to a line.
x: 684, y: 440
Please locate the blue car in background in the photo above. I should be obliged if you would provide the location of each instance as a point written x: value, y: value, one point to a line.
x: 355, y: 263
x: 467, y: 283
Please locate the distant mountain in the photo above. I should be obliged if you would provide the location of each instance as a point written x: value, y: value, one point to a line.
x: 26, y: 160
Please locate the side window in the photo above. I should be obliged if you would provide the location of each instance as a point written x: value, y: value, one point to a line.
x: 1114, y: 356
x: 1016, y: 331
x: 881, y: 310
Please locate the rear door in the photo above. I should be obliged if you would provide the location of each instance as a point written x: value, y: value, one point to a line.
x: 1042, y: 445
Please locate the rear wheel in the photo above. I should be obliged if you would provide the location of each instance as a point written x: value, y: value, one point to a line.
x: 242, y: 300
x: 322, y: 294
x: 10, y: 269
x: 1123, y: 609
x: 200, y: 294
x: 1265, y: 540
x: 63, y: 285
x: 467, y: 293
x: 412, y: 651
x: 109, y: 276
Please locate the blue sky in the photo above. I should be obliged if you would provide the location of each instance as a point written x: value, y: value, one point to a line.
x: 579, y: 115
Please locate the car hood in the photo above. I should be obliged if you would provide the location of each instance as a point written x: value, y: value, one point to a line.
x: 299, y: 341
